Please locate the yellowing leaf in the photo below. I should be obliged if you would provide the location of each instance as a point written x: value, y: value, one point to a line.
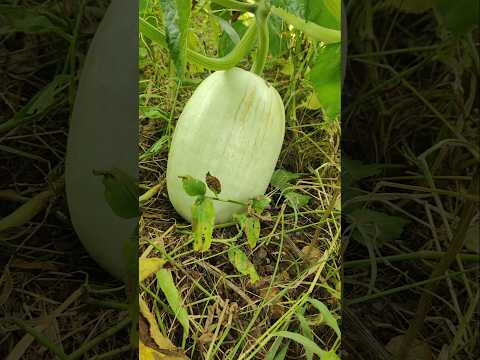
x: 240, y: 261
x: 154, y: 331
x: 312, y: 102
x: 287, y: 69
x: 148, y: 267
x: 203, y: 220
x: 147, y: 353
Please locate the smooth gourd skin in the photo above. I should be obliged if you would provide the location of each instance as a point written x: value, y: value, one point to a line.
x: 103, y: 134
x: 233, y: 127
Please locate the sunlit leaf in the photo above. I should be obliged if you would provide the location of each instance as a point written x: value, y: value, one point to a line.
x: 326, y: 314
x: 149, y: 266
x: 167, y: 285
x: 325, y: 77
x: 176, y: 17
x: 281, y: 178
x: 192, y: 186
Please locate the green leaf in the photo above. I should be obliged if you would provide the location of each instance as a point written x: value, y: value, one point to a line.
x: 240, y: 261
x: 307, y: 343
x: 327, y: 315
x: 203, y: 220
x: 252, y: 229
x: 325, y: 13
x: 375, y: 227
x: 296, y: 7
x: 260, y: 203
x: 31, y: 21
x: 165, y: 281
x: 297, y: 200
x: 251, y: 226
x: 277, y: 43
x: 325, y: 77
x: 225, y: 42
x: 192, y: 186
x: 355, y: 170
x: 459, y: 16
x: 177, y: 16
x: 155, y: 148
x: 307, y: 332
x: 281, y: 178
x: 121, y: 192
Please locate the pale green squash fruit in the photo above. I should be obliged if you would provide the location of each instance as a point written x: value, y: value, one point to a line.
x: 233, y: 127
x: 103, y: 135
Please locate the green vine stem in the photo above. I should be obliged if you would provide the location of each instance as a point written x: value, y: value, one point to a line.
x: 316, y: 32
x: 261, y: 14
x: 236, y: 5
x: 228, y: 61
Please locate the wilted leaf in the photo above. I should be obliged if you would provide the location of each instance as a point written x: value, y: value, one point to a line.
x: 149, y: 266
x: 213, y: 183
x: 419, y: 350
x: 311, y: 254
x: 312, y: 102
x: 153, y: 330
x: 192, y: 186
x: 203, y: 220
x: 240, y: 261
x: 165, y: 281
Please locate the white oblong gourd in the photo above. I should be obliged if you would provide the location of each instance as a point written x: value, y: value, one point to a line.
x: 232, y: 127
x: 103, y: 135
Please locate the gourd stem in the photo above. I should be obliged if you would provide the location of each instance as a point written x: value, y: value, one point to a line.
x: 316, y: 32
x: 236, y: 5
x: 228, y: 61
x: 263, y: 10
x: 223, y: 63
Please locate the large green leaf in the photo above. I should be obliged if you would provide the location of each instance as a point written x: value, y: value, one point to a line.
x: 459, y: 16
x: 177, y: 16
x: 323, y: 12
x: 325, y: 77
